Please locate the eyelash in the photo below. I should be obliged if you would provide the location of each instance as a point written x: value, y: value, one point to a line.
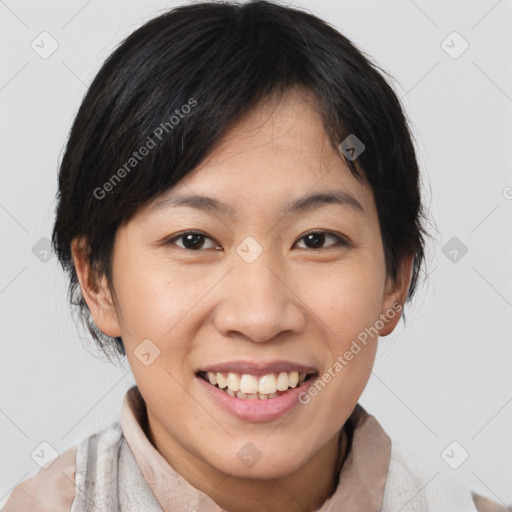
x: 341, y: 241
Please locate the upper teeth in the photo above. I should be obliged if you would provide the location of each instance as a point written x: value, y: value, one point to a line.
x: 265, y: 385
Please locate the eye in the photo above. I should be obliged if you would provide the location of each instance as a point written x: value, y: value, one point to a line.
x: 317, y: 238
x: 192, y: 240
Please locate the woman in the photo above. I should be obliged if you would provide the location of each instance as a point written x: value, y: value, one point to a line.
x: 214, y: 151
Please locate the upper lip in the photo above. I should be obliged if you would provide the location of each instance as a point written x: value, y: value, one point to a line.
x: 258, y: 369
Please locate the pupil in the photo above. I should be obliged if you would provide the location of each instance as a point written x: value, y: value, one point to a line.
x: 319, y: 237
x: 193, y: 236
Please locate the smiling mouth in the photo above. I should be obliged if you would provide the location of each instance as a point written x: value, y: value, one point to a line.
x: 247, y: 386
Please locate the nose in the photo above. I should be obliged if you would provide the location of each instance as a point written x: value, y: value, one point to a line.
x: 258, y: 302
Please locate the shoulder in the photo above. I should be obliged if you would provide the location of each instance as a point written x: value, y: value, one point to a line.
x: 51, y: 488
x: 484, y: 504
x: 411, y: 487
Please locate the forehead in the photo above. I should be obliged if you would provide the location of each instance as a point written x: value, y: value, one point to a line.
x: 279, y: 157
x: 287, y: 126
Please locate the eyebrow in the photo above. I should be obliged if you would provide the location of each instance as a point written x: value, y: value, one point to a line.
x: 212, y: 205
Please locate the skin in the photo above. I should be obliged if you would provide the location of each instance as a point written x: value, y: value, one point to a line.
x: 297, y: 301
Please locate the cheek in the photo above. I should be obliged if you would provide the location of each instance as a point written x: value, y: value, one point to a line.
x: 154, y: 298
x: 347, y: 300
x: 347, y: 303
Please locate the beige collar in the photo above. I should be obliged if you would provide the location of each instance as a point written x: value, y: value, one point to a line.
x: 361, y: 480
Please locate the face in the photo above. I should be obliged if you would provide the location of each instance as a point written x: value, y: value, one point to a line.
x: 269, y: 287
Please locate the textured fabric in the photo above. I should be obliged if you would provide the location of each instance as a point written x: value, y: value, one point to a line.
x: 410, y: 488
x: 119, y: 470
x: 484, y: 504
x: 108, y: 478
x: 362, y: 477
x: 51, y: 489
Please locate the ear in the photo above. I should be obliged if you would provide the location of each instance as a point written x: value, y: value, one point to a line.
x: 395, y: 295
x: 95, y: 291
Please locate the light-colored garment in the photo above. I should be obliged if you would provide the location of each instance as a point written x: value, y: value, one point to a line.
x: 119, y: 470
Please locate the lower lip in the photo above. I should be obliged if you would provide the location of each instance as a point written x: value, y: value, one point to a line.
x: 256, y: 409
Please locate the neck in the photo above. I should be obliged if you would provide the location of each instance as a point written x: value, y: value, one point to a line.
x: 305, y: 489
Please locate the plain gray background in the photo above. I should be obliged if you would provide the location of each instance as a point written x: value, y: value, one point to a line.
x: 445, y: 377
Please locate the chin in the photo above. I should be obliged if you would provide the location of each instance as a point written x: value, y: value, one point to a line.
x: 252, y: 463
